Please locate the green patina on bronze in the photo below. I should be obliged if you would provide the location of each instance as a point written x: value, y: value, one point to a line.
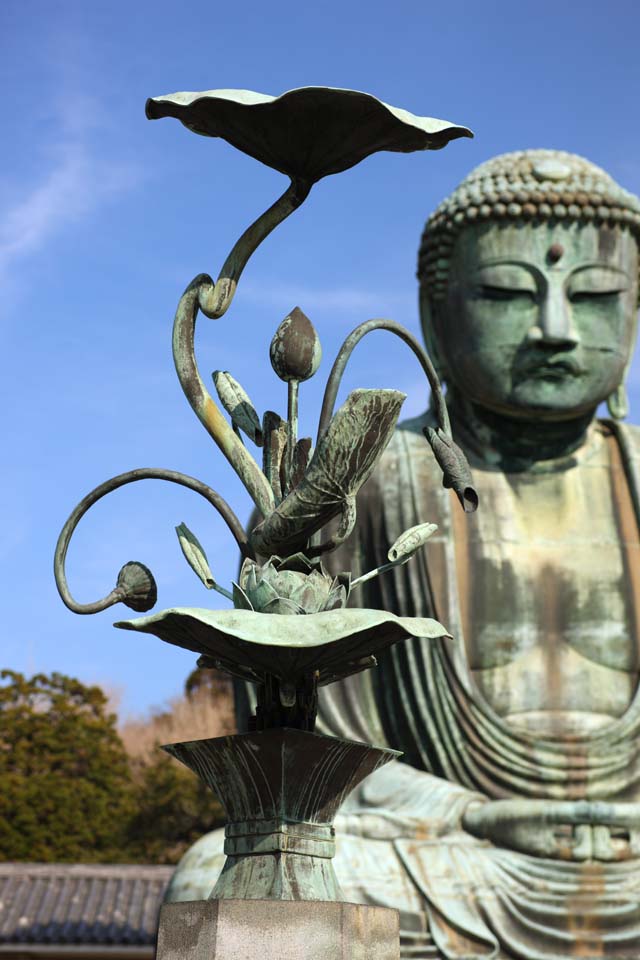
x: 280, y: 834
x: 513, y: 828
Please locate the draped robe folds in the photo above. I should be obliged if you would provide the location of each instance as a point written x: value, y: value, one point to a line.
x: 400, y: 838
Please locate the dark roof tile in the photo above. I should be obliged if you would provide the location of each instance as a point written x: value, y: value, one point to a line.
x: 80, y: 903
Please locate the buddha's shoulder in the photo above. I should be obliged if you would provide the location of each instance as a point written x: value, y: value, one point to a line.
x: 409, y: 443
x: 628, y: 434
x: 407, y: 464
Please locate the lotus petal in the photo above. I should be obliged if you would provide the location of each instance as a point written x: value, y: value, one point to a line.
x: 255, y: 586
x: 240, y: 599
x: 305, y: 133
x: 297, y: 562
x: 282, y: 606
x: 337, y: 598
x: 333, y: 642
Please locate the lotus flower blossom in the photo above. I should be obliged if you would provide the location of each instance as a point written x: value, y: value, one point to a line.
x: 294, y: 585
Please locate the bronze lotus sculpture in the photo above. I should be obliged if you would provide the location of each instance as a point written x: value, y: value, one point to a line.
x: 281, y: 783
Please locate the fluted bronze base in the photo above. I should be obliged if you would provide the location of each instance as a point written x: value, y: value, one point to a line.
x: 281, y: 790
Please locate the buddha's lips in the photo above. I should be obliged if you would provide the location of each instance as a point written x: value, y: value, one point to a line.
x: 549, y: 367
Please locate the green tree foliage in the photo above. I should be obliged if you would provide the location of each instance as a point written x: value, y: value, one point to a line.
x: 65, y: 787
x: 73, y: 789
x: 174, y: 808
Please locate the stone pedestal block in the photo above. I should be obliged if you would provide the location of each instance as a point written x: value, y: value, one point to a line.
x: 277, y: 930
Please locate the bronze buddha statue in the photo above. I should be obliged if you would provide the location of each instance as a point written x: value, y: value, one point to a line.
x: 512, y: 827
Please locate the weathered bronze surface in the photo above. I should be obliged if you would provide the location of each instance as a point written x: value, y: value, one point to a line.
x: 281, y: 783
x: 515, y: 831
x: 281, y: 789
x: 512, y: 829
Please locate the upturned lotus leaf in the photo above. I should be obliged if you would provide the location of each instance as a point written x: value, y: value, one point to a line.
x: 305, y: 133
x: 343, y: 460
x: 250, y: 645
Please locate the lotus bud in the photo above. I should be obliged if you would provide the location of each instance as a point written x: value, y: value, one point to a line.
x: 137, y: 586
x: 295, y: 350
x: 454, y: 466
x: 194, y: 555
x: 410, y: 542
x: 236, y: 402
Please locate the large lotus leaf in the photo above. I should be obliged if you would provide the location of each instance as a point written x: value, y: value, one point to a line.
x: 241, y: 641
x: 342, y: 462
x: 306, y: 133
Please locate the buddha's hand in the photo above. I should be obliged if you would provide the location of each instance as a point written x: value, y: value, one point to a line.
x: 563, y: 830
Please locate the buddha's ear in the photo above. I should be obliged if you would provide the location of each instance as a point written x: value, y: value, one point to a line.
x: 430, y: 318
x: 618, y: 401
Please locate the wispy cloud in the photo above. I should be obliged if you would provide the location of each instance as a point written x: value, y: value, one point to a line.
x: 73, y: 180
x: 371, y: 301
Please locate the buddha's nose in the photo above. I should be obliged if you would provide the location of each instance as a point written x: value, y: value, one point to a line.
x: 554, y: 324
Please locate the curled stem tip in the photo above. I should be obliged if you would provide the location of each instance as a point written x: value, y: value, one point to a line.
x: 135, y: 586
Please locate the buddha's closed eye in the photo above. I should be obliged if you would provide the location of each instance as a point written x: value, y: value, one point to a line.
x: 508, y: 294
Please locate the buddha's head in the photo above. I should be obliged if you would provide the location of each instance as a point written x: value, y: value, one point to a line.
x: 529, y: 286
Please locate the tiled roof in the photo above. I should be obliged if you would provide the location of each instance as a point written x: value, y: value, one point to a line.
x: 80, y: 904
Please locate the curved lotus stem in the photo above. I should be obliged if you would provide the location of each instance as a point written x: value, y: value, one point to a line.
x: 450, y: 458
x: 204, y: 405
x: 214, y: 299
x: 119, y: 593
x: 354, y: 338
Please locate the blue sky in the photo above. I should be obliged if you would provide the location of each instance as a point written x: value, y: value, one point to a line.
x: 105, y: 217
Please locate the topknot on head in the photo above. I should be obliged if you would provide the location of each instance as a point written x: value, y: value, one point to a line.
x: 527, y: 185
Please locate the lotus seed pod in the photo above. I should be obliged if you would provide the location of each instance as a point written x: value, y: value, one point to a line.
x: 138, y: 586
x: 295, y: 350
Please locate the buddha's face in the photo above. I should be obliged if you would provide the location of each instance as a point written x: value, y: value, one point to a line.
x: 539, y: 318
